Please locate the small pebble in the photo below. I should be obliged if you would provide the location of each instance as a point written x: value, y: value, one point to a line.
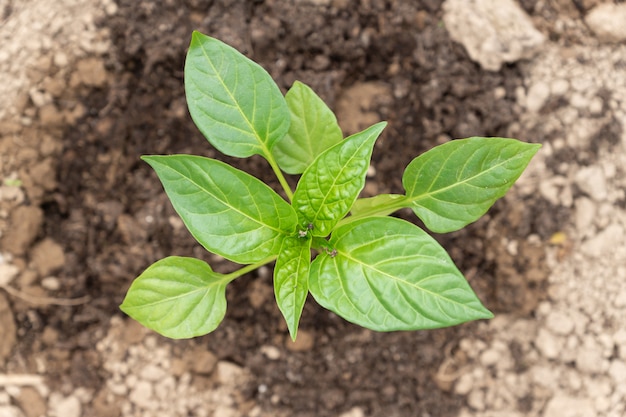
x: 595, y: 106
x: 547, y: 344
x: 228, y: 373
x: 354, y: 412
x: 559, y: 323
x: 559, y: 87
x: 591, y: 180
x: 65, y: 407
x: 270, y: 352
x: 537, y: 96
x: 464, y: 384
x: 489, y: 357
x: 51, y: 283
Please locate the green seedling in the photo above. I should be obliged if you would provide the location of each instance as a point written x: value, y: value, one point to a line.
x: 377, y: 271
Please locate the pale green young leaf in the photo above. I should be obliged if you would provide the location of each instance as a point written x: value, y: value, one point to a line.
x: 291, y: 275
x: 387, y: 274
x: 313, y: 129
x: 331, y: 184
x: 380, y: 205
x: 228, y: 211
x: 454, y: 184
x: 178, y: 297
x: 233, y: 100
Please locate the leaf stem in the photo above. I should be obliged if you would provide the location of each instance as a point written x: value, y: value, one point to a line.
x: 279, y: 175
x: 248, y: 268
x: 380, y: 210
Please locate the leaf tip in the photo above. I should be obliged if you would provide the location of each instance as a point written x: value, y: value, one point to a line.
x: 293, y: 332
x: 380, y: 126
x: 535, y: 147
x: 122, y: 307
x: 482, y: 313
x: 197, y: 36
x: 487, y: 314
x: 149, y: 158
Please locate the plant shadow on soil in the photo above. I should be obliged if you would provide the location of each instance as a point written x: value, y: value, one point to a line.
x: 112, y: 216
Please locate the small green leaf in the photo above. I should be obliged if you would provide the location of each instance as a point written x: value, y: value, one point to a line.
x: 313, y: 129
x: 233, y: 100
x: 331, y: 184
x: 454, y: 184
x: 380, y: 205
x: 291, y: 275
x: 387, y: 274
x: 228, y: 211
x: 178, y: 298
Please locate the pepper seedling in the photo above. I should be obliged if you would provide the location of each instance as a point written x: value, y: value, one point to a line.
x: 377, y: 271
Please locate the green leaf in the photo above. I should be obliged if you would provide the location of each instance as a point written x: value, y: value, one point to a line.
x: 291, y: 275
x: 233, y: 101
x: 387, y: 274
x: 313, y: 129
x: 178, y: 298
x: 454, y: 184
x: 228, y: 211
x: 331, y: 184
x: 381, y: 205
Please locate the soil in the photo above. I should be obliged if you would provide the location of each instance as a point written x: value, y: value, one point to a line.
x: 82, y: 216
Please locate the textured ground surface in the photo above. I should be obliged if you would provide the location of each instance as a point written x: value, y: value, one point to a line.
x: 89, y: 85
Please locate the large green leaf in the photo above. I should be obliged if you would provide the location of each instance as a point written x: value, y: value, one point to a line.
x: 387, y: 274
x: 313, y: 129
x: 291, y: 275
x: 228, y: 211
x: 233, y: 101
x: 178, y: 298
x: 454, y: 184
x: 331, y: 184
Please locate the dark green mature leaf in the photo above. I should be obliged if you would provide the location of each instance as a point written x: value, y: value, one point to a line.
x: 387, y: 274
x: 228, y: 211
x: 178, y: 298
x: 291, y: 275
x: 454, y: 184
x: 331, y: 184
x: 233, y: 101
x: 313, y: 129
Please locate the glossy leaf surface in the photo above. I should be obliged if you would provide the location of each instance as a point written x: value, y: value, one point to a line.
x: 454, y: 184
x: 228, y: 211
x: 178, y: 298
x: 387, y: 274
x: 233, y: 100
x: 331, y: 184
x: 313, y: 129
x: 291, y: 275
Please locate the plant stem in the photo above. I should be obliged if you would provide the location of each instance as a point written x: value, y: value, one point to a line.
x: 279, y: 175
x: 248, y: 268
x: 380, y: 210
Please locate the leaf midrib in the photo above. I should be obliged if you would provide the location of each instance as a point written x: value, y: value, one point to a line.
x: 335, y: 179
x: 428, y: 194
x: 435, y: 295
x: 206, y: 288
x: 229, y: 206
x: 264, y: 149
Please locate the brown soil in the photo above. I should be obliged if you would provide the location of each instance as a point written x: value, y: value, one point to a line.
x: 383, y: 60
